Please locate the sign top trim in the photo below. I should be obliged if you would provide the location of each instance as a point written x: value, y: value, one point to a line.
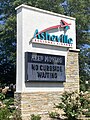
x: 43, y: 11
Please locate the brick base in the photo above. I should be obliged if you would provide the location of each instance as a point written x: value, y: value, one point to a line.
x: 37, y: 103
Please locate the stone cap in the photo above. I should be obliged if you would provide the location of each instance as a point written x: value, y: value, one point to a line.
x: 74, y: 50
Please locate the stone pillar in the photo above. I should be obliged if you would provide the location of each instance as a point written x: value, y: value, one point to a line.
x: 72, y: 71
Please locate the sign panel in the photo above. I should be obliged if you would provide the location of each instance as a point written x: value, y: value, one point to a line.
x: 44, y: 67
x: 49, y: 36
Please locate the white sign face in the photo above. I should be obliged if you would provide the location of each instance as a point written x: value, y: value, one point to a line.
x: 54, y: 35
x: 43, y: 27
x: 44, y: 67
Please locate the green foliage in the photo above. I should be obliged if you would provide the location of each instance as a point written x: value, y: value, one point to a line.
x: 35, y: 117
x: 7, y: 109
x: 4, y: 113
x: 53, y: 115
x: 16, y: 115
x: 85, y: 103
x: 9, y: 101
x: 74, y: 105
x: 80, y: 10
x: 71, y: 105
x: 2, y: 96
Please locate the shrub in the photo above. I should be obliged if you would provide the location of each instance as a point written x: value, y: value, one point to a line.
x: 85, y: 103
x: 74, y: 105
x: 16, y: 115
x: 70, y: 103
x: 2, y: 96
x: 35, y: 117
x: 54, y: 115
x: 7, y: 109
x: 4, y: 113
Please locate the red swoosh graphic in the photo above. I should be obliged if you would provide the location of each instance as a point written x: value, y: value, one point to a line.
x: 49, y: 28
x: 64, y: 24
x: 53, y: 27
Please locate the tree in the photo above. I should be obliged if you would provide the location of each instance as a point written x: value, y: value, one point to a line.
x: 80, y: 9
x: 8, y: 34
x: 84, y: 68
x: 76, y: 8
x: 7, y: 42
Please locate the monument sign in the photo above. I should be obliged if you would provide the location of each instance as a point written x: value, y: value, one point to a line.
x: 47, y: 59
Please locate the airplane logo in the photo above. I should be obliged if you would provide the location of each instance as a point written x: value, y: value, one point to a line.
x: 63, y: 25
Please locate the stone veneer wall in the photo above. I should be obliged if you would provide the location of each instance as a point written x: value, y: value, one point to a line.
x: 43, y: 102
x: 72, y: 72
x: 37, y: 103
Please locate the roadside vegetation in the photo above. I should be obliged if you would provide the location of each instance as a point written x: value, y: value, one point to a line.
x: 7, y: 109
x: 75, y: 106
